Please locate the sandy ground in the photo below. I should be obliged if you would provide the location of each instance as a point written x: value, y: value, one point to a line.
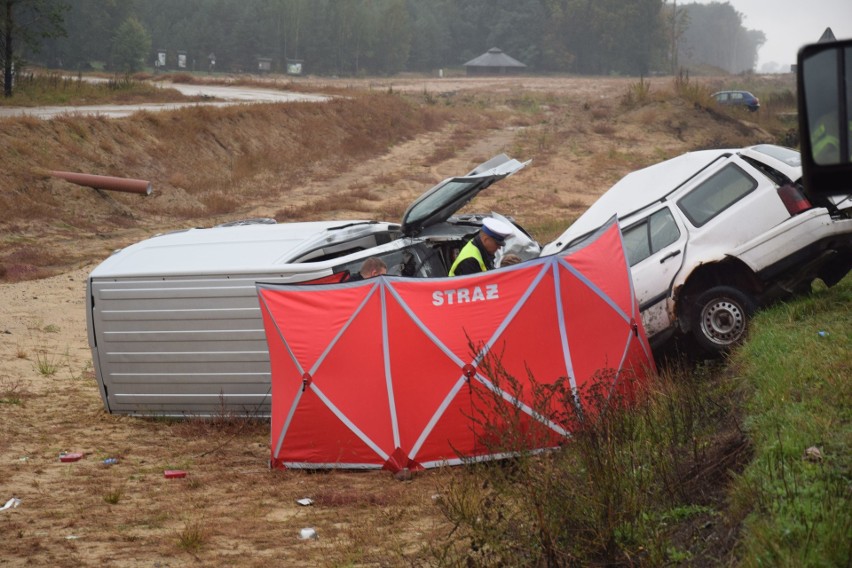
x: 230, y: 509
x: 86, y: 513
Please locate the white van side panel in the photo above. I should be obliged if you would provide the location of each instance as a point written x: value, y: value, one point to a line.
x: 182, y: 346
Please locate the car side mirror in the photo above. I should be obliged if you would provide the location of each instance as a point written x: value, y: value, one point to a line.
x: 824, y: 84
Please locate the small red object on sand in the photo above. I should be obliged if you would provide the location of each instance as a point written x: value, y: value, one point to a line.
x: 70, y: 457
x: 174, y: 473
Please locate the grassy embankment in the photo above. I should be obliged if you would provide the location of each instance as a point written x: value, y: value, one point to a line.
x: 746, y: 462
x: 206, y: 164
x: 796, y: 370
x: 53, y: 89
x: 212, y: 165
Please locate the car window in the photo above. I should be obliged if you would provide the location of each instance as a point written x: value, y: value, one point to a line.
x: 650, y: 235
x: 418, y: 260
x: 713, y: 196
x: 787, y: 155
x: 736, y: 96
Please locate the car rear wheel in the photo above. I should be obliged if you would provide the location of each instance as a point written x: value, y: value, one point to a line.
x: 720, y: 318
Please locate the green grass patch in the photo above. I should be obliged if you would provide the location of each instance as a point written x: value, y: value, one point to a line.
x: 796, y: 492
x: 47, y: 363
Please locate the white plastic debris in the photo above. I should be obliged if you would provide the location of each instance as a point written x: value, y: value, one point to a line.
x: 813, y: 454
x: 307, y: 533
x: 305, y: 502
x: 11, y: 504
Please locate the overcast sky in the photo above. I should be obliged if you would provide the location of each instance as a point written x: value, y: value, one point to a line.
x: 789, y: 24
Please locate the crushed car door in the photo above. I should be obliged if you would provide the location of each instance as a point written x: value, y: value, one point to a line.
x: 655, y: 248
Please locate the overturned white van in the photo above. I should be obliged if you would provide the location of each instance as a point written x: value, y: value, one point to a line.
x: 174, y: 323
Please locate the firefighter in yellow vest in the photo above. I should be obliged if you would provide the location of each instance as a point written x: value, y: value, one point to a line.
x: 478, y: 254
x: 825, y: 143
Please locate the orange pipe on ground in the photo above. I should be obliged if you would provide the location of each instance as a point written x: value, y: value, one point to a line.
x: 107, y: 182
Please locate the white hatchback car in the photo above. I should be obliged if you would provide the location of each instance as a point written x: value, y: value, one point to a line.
x: 714, y: 234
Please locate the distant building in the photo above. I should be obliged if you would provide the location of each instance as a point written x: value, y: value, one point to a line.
x: 494, y: 62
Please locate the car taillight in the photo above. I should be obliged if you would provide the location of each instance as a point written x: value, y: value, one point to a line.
x: 793, y: 198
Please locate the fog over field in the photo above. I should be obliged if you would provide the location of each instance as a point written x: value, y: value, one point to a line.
x: 789, y: 24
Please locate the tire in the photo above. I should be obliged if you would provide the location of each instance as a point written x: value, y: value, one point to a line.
x: 720, y: 318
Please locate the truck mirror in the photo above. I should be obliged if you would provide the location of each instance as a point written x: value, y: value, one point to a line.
x: 824, y: 84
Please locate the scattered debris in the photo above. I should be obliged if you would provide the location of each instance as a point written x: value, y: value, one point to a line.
x: 12, y: 503
x: 813, y: 454
x: 403, y: 475
x: 110, y: 461
x: 174, y: 474
x: 111, y: 183
x: 305, y: 502
x: 70, y: 457
x: 822, y: 333
x: 308, y: 533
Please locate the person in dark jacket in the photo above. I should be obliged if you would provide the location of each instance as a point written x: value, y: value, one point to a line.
x: 478, y: 254
x: 372, y: 267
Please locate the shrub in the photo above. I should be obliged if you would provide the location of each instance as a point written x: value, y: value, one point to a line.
x: 634, y: 460
x: 637, y: 94
x: 691, y: 91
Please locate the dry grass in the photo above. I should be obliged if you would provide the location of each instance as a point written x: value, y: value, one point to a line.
x: 353, y: 201
x: 215, y: 164
x: 193, y: 536
x: 202, y: 162
x: 46, y: 362
x: 11, y: 391
x: 45, y: 89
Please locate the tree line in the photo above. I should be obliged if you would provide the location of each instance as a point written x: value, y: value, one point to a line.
x: 384, y: 37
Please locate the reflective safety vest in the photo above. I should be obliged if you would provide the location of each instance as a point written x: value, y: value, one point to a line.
x: 824, y: 146
x: 468, y: 251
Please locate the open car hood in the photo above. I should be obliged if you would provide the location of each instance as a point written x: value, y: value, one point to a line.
x: 439, y: 203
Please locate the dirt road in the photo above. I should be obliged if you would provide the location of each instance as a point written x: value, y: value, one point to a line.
x: 223, y: 95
